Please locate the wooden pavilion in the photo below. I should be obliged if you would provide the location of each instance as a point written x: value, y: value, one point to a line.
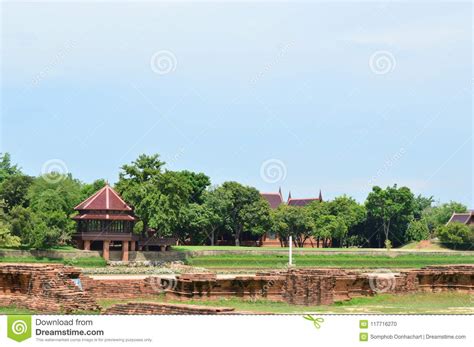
x: 105, y: 218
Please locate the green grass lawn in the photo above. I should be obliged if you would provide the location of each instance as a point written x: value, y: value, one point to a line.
x: 424, y: 303
x: 79, y: 262
x: 255, y: 261
x: 283, y: 249
x: 15, y: 310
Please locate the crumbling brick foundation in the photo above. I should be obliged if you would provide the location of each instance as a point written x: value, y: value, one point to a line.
x: 326, y: 286
x: 43, y: 288
x: 51, y: 289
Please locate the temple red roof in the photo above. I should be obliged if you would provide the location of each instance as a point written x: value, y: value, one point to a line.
x: 301, y: 202
x: 465, y: 218
x: 106, y: 199
x: 104, y: 216
x: 274, y: 199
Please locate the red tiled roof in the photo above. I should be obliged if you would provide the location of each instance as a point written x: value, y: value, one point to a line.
x: 105, y: 199
x: 301, y: 202
x: 91, y: 216
x: 461, y: 217
x: 274, y: 199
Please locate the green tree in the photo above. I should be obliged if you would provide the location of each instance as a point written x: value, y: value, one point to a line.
x: 6, y: 167
x: 22, y: 224
x: 331, y: 227
x: 138, y: 186
x: 456, y: 235
x: 350, y: 212
x: 6, y: 238
x: 391, y: 210
x: 294, y: 221
x: 318, y: 210
x: 14, y: 190
x: 420, y: 204
x: 160, y: 197
x: 417, y: 231
x: 217, y: 204
x: 64, y: 193
x: 439, y: 215
x: 245, y: 210
x: 46, y: 222
x: 168, y: 202
x: 199, y: 183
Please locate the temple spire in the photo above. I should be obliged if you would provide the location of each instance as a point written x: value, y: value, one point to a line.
x: 289, y: 195
x: 320, y: 196
x: 279, y: 192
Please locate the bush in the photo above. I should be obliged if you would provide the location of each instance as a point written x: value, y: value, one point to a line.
x: 417, y: 231
x: 456, y: 235
x: 6, y: 238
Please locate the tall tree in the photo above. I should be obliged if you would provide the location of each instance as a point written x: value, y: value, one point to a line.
x: 14, y: 191
x: 391, y: 209
x: 138, y: 186
x: 6, y: 167
x: 331, y: 227
x: 161, y: 198
x: 294, y: 221
x: 350, y: 212
x: 420, y: 204
x: 245, y: 210
x: 318, y: 210
x: 199, y: 182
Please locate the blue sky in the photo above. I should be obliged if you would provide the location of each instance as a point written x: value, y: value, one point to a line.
x: 306, y: 96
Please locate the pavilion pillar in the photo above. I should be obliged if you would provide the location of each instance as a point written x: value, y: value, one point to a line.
x: 105, y: 249
x: 124, y: 250
x: 133, y: 246
x: 87, y: 245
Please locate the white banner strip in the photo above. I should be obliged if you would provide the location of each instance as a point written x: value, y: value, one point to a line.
x: 238, y: 330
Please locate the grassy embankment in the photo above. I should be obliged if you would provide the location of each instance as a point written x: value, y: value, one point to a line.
x: 79, y: 262
x: 251, y: 261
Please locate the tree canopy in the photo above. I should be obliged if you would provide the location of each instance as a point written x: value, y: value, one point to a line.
x: 36, y: 211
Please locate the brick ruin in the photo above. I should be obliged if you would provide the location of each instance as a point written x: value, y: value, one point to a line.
x: 51, y: 288
x: 43, y: 288
x: 326, y: 286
